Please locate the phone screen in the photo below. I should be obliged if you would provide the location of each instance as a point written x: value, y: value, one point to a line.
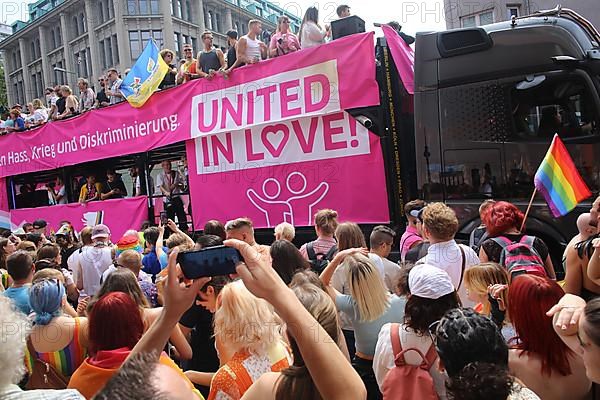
x: 163, y: 218
x: 211, y: 261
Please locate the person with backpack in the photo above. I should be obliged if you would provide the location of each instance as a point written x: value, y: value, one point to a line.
x: 474, y: 355
x: 368, y: 306
x: 430, y: 295
x: 411, y: 236
x: 321, y: 251
x: 479, y: 234
x: 507, y: 246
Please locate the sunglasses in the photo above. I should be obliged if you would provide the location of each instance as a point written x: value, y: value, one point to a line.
x: 187, y: 50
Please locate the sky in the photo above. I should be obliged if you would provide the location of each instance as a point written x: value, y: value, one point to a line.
x: 415, y: 16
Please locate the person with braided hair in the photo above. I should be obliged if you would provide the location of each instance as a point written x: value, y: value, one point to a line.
x: 475, y: 356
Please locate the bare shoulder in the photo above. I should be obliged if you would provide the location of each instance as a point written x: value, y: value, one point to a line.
x: 264, y: 388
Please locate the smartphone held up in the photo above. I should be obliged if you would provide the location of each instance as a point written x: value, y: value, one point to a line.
x: 210, y: 261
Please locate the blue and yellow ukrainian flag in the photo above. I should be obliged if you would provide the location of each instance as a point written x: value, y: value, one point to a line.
x: 145, y: 76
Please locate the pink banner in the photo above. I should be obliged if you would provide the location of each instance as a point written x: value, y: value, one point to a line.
x: 119, y: 215
x: 404, y: 57
x: 316, y: 81
x: 288, y: 171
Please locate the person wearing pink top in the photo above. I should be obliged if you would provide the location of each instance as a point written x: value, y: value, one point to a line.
x: 411, y: 236
x: 283, y: 41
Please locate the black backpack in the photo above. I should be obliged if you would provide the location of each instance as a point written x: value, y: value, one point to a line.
x: 319, y: 261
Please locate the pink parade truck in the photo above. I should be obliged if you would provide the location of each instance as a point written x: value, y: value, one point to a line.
x: 335, y: 127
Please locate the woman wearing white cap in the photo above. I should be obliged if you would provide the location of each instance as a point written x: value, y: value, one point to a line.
x: 430, y: 295
x: 369, y: 306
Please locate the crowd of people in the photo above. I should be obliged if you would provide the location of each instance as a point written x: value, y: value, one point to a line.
x: 61, y: 102
x: 334, y: 318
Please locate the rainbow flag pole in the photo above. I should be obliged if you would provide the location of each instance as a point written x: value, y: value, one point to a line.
x: 558, y: 180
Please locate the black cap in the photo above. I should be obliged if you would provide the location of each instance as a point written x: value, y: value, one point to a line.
x: 39, y: 224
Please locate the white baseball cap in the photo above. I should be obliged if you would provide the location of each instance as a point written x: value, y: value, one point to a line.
x: 429, y: 282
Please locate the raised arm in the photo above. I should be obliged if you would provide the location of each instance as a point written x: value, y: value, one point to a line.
x: 330, y: 370
x: 179, y: 297
x: 565, y: 320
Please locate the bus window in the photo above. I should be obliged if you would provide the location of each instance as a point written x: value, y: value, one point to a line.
x: 560, y: 104
x: 494, y: 134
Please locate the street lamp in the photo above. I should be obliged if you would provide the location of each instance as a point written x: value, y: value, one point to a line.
x: 64, y: 70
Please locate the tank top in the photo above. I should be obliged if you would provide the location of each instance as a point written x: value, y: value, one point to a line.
x: 66, y: 360
x: 209, y: 60
x: 253, y: 48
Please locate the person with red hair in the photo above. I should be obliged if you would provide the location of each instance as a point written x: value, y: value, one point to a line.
x: 115, y: 327
x: 539, y: 358
x: 503, y: 220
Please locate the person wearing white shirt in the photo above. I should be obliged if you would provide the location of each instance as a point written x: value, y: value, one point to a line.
x: 94, y: 260
x: 439, y: 227
x: 381, y: 242
x: 311, y: 33
x: 431, y: 295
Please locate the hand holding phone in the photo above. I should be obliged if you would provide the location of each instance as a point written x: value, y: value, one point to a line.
x: 211, y: 261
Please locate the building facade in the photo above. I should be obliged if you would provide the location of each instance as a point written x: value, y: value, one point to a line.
x: 67, y: 39
x: 467, y: 13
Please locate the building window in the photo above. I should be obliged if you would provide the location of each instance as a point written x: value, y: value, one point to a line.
x: 188, y: 7
x: 139, y: 39
x: 32, y: 51
x: 195, y: 45
x: 115, y: 50
x: 468, y: 22
x: 111, y: 9
x: 210, y: 21
x: 40, y: 89
x: 142, y: 7
x: 101, y: 17
x: 34, y: 86
x: 135, y: 46
x: 218, y: 22
x: 486, y: 18
x: 179, y: 9
x: 177, y: 40
x: 83, y: 27
x: 75, y: 27
x: 58, y: 36
x: 513, y: 11
x: 102, y: 54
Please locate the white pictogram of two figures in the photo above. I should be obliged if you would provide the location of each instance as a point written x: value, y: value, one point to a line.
x: 297, y: 209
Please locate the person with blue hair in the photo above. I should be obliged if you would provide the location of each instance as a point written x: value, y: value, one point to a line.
x: 58, y: 339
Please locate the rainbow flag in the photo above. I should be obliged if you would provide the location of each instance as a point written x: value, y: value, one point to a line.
x: 559, y: 181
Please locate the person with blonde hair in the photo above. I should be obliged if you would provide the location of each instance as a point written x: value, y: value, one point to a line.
x: 71, y: 103
x: 284, y: 41
x: 285, y: 231
x: 369, y: 306
x: 169, y: 80
x: 295, y: 381
x: 485, y: 282
x: 38, y: 114
x: 248, y: 341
